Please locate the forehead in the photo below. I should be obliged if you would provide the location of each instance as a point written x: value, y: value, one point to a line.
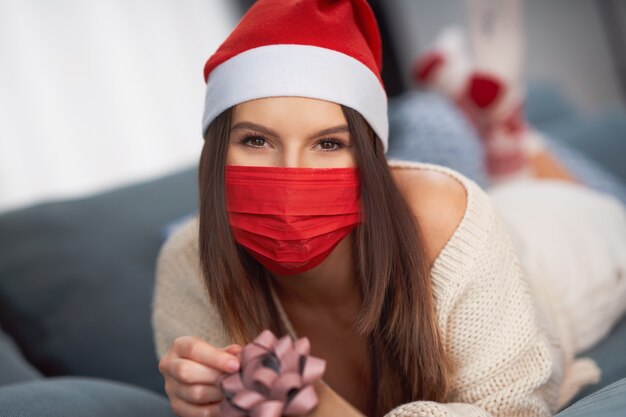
x: 301, y: 109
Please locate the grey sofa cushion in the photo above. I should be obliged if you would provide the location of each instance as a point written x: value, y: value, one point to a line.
x: 67, y: 396
x: 600, y: 137
x: 609, y: 354
x: 13, y: 365
x: 76, y: 279
x: 610, y: 401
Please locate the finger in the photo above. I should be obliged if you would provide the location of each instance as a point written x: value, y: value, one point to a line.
x: 185, y: 409
x: 196, y: 349
x: 187, y: 371
x: 234, y: 349
x: 199, y: 393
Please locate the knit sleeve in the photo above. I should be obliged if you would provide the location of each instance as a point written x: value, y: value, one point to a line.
x: 180, y: 304
x: 504, y: 365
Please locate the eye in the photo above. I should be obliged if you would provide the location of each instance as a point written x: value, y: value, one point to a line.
x: 331, y: 144
x: 253, y: 141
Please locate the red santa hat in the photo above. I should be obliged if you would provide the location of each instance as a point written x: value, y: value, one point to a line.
x: 325, y: 49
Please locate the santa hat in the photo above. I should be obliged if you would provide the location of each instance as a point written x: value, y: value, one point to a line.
x: 324, y: 49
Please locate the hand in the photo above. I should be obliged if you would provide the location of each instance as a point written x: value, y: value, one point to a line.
x: 190, y: 369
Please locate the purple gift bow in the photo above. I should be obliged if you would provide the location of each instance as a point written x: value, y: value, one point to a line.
x: 258, y: 390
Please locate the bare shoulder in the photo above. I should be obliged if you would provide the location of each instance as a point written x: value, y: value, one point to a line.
x: 438, y: 201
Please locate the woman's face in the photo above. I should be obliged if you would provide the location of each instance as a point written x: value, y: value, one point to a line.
x: 290, y: 132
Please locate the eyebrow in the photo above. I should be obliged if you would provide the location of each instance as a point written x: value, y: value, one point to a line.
x: 271, y: 132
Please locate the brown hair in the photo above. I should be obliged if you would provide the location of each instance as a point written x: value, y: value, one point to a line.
x: 406, y: 354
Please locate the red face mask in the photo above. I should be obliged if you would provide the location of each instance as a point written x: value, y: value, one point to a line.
x: 290, y: 219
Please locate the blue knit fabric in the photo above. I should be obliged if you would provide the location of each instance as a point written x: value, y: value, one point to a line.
x: 427, y: 127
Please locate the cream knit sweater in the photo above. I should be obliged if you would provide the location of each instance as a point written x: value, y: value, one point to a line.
x: 510, y: 341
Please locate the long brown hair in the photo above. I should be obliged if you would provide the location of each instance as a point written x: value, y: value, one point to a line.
x: 407, y: 358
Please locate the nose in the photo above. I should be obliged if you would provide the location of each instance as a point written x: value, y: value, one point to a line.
x: 291, y: 157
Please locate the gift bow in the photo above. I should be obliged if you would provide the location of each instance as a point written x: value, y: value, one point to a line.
x: 275, y: 378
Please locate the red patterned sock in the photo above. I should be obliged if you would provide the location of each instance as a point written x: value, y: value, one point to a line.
x: 496, y: 110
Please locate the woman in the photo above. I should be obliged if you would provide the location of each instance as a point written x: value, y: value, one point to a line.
x: 401, y: 274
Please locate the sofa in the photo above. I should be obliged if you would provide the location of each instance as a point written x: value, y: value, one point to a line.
x: 76, y: 275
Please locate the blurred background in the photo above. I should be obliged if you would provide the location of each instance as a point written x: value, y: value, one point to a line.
x: 97, y: 94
